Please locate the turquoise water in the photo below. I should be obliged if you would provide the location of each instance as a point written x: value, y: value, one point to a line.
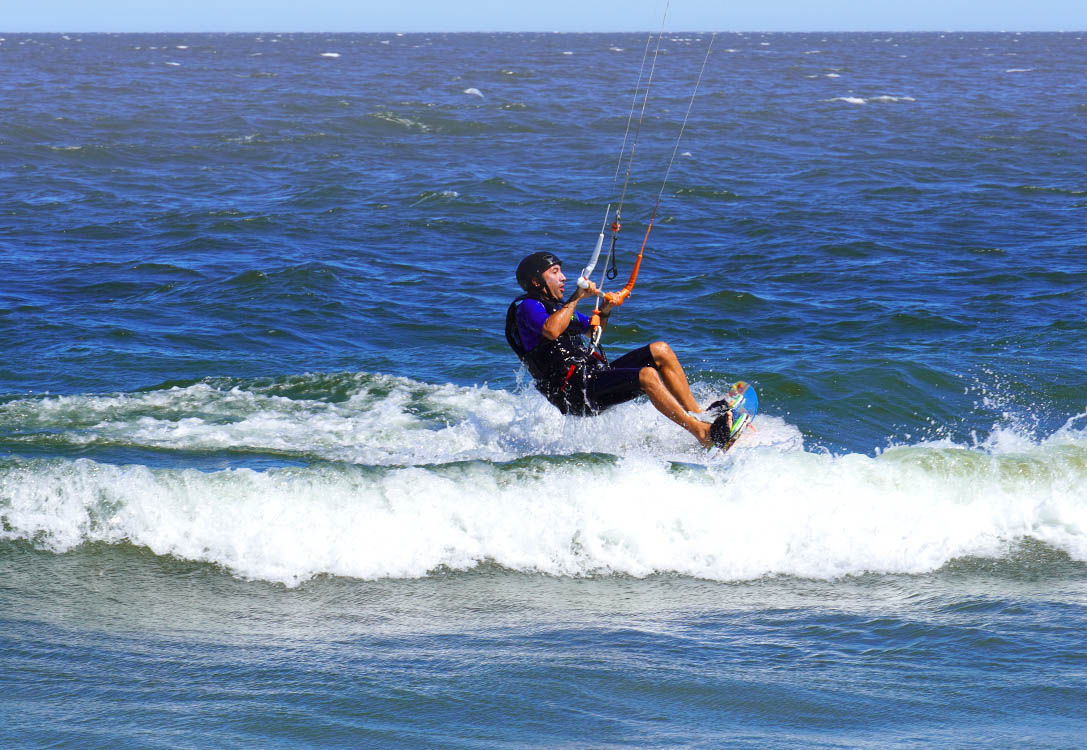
x: 269, y: 474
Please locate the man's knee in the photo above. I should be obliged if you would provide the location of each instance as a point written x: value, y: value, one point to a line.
x: 661, y: 352
x: 649, y: 378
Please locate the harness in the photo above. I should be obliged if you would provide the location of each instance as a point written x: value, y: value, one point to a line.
x: 555, y: 364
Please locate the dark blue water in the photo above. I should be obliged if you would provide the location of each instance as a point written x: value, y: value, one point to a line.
x: 269, y: 474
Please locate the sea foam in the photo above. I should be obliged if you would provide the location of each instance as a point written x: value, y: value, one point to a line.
x: 399, y: 479
x: 768, y: 513
x: 866, y: 100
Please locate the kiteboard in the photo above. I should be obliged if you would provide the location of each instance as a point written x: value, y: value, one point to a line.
x: 744, y: 403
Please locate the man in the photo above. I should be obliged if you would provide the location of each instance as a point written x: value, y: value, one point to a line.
x: 547, y: 334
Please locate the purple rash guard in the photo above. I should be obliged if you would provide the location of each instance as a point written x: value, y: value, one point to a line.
x: 531, y: 316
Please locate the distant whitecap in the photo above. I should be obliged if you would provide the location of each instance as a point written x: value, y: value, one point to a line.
x: 173, y: 63
x: 1019, y: 70
x: 330, y: 54
x: 833, y: 75
x: 567, y: 53
x: 474, y: 92
x: 862, y: 100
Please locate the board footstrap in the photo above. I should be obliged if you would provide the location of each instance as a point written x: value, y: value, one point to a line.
x: 720, y: 433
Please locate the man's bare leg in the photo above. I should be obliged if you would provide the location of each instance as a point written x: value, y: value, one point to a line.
x: 675, y: 379
x: 666, y: 403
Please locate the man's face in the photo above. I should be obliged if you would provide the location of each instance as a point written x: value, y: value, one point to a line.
x: 554, y: 281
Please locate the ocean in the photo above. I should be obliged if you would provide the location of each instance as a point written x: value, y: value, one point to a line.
x: 271, y: 477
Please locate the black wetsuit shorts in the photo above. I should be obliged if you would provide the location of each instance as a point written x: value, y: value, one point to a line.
x: 608, y: 386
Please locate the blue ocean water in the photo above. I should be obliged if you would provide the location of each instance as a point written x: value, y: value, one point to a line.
x: 270, y: 476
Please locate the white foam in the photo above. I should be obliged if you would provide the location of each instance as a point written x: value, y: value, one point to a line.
x: 474, y: 92
x: 330, y: 54
x: 769, y: 512
x: 406, y: 122
x: 863, y: 100
x: 407, y: 493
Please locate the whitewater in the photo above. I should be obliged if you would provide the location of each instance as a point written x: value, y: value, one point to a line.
x: 399, y: 479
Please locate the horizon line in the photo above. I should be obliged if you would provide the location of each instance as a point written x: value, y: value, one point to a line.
x: 552, y: 31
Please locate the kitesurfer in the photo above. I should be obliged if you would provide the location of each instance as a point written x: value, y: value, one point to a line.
x: 548, y: 336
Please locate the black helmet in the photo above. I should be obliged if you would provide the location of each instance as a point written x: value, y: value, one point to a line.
x: 532, y: 266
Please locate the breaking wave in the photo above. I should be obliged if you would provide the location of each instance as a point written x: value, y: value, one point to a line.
x: 379, y: 477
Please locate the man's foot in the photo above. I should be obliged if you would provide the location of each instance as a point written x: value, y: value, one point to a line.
x: 705, y: 430
x: 702, y: 433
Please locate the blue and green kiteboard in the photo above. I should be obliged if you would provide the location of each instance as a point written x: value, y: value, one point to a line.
x: 744, y: 403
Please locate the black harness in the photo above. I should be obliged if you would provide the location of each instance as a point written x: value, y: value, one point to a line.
x: 559, y: 365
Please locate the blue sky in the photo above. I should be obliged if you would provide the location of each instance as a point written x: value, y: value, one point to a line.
x: 541, y: 15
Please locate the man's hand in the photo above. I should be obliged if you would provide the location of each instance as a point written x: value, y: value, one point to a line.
x: 589, y: 290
